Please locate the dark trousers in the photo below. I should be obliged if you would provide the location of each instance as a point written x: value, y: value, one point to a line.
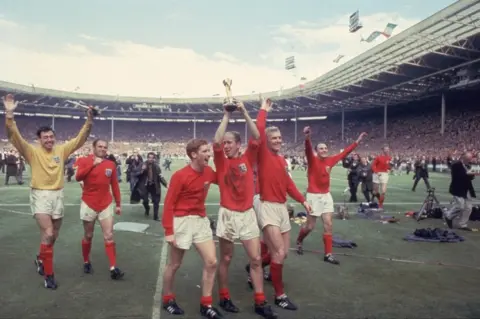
x: 151, y: 192
x: 418, y: 178
x: 353, y: 185
x: 367, y: 190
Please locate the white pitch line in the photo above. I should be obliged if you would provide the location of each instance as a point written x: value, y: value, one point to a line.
x: 15, y: 212
x: 217, y: 204
x: 157, y: 298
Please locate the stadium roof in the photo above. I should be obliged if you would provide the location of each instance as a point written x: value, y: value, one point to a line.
x: 419, y: 62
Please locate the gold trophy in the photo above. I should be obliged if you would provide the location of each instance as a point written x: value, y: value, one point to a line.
x: 229, y: 104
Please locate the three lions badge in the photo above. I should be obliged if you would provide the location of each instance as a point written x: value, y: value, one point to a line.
x: 108, y: 172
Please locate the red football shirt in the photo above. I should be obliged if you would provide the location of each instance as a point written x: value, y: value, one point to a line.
x: 235, y: 177
x: 274, y: 181
x: 319, y: 168
x: 186, y: 195
x: 97, y: 180
x: 381, y: 164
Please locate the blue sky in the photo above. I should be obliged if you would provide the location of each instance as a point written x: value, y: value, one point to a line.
x: 162, y: 47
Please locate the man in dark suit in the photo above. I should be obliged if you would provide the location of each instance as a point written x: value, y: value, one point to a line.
x: 421, y: 172
x: 461, y: 188
x: 149, y: 181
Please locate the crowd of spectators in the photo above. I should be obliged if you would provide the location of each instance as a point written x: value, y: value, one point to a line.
x: 414, y: 132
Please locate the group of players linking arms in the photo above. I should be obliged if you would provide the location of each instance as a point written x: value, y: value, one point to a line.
x: 46, y: 194
x: 185, y: 221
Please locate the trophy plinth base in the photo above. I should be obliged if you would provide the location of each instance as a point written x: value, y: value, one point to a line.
x: 230, y: 107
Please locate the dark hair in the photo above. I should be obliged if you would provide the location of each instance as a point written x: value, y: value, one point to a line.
x: 111, y: 157
x: 193, y: 145
x: 236, y: 136
x: 151, y: 153
x: 99, y: 140
x: 45, y: 129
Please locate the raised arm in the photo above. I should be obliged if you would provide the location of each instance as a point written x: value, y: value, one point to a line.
x: 255, y: 134
x: 13, y: 134
x: 77, y: 142
x: 222, y: 128
x: 308, y: 145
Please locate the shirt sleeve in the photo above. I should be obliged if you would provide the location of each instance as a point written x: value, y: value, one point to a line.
x: 252, y: 151
x: 173, y: 193
x: 84, y: 166
x: 337, y: 157
x: 77, y: 142
x: 14, y: 136
x: 218, y: 157
x: 293, y: 191
x: 116, y: 187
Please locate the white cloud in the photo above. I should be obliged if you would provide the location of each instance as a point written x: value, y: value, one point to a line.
x: 315, y: 46
x: 135, y: 69
x: 4, y: 23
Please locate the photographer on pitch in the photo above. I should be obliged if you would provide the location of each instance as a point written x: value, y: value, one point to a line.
x: 461, y: 187
x: 352, y: 163
x: 421, y: 172
x: 365, y: 176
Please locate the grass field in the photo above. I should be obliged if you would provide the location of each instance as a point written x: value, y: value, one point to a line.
x: 384, y: 277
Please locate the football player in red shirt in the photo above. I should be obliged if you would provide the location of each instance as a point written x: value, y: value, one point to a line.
x: 98, y: 176
x: 275, y: 183
x: 381, y: 169
x: 318, y: 191
x: 186, y: 223
x: 236, y: 217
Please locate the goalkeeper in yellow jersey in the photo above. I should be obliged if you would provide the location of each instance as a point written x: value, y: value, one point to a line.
x: 47, y: 168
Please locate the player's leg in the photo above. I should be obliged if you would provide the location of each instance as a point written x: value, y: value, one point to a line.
x: 44, y: 207
x: 174, y: 262
x: 327, y: 219
x: 88, y: 218
x: 105, y: 218
x: 202, y: 238
x: 227, y: 232
x: 208, y: 253
x: 317, y: 208
x: 44, y: 222
x: 383, y: 181
x: 276, y: 246
x: 249, y: 234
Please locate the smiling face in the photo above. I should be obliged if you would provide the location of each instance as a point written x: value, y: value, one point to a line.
x: 231, y: 144
x: 274, y: 139
x: 322, y: 150
x: 199, y: 152
x: 100, y: 148
x: 47, y: 140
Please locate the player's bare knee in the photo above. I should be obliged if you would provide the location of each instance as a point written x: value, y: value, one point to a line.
x: 279, y: 254
x: 107, y: 236
x: 88, y: 236
x: 256, y: 261
x: 48, y: 235
x: 226, y: 258
x: 210, y: 264
x: 174, y: 266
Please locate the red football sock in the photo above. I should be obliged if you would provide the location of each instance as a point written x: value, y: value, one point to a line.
x: 276, y: 270
x: 111, y: 253
x: 259, y: 298
x: 266, y: 259
x: 381, y: 199
x: 224, y: 293
x: 328, y: 243
x: 302, y: 234
x: 206, y: 301
x: 167, y: 298
x: 46, y: 251
x: 263, y: 248
x: 86, y: 247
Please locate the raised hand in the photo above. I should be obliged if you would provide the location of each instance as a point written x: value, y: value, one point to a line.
x: 9, y: 103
